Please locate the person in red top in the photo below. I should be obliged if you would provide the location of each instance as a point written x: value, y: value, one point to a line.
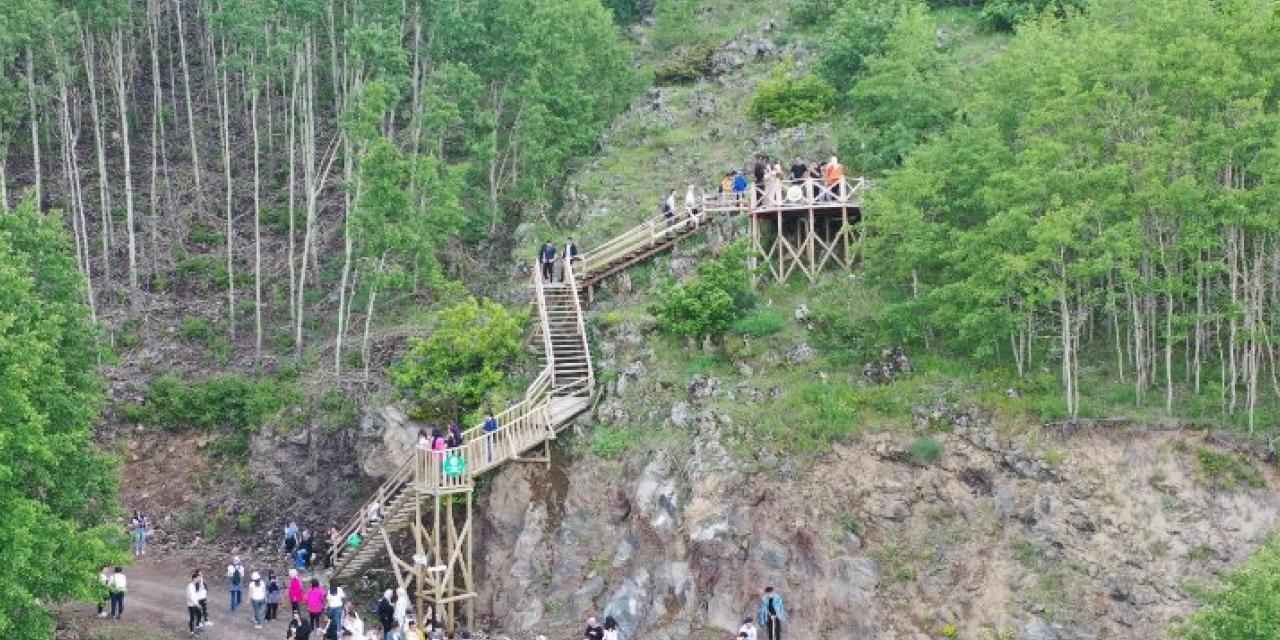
x: 296, y: 593
x: 315, y: 602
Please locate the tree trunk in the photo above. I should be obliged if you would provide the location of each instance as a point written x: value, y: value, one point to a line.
x: 257, y: 228
x: 186, y: 84
x: 104, y: 191
x: 117, y: 57
x: 223, y: 92
x: 35, y: 123
x: 368, y: 316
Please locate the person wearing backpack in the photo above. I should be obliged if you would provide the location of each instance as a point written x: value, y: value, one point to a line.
x: 490, y: 428
x: 257, y: 598
x: 118, y: 586
x: 235, y: 578
x: 771, y: 614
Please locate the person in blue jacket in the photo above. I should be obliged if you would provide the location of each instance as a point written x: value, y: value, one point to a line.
x: 771, y: 614
x: 739, y: 184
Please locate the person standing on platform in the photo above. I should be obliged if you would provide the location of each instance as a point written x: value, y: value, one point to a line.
x: 833, y: 173
x: 772, y: 614
x: 726, y: 185
x: 490, y: 429
x: 548, y: 259
x: 570, y: 255
x: 739, y: 185
x: 691, y: 201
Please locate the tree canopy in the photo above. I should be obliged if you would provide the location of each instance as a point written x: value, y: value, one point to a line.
x: 57, y: 492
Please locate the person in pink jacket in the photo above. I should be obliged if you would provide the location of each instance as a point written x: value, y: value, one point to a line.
x: 296, y: 593
x: 315, y: 602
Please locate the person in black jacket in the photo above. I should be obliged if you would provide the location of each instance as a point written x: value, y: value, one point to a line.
x: 548, y: 258
x: 387, y: 611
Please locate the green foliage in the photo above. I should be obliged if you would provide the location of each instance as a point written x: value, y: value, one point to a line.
x: 1247, y: 607
x: 1006, y: 14
x: 232, y: 403
x: 627, y: 12
x: 810, y: 13
x: 1228, y: 471
x: 612, y: 442
x: 925, y: 450
x: 685, y: 65
x: 858, y: 31
x: 451, y: 371
x: 196, y: 329
x: 786, y: 100
x: 57, y: 493
x: 761, y: 322
x: 708, y: 304
x: 907, y: 93
x: 846, y: 317
x: 675, y: 23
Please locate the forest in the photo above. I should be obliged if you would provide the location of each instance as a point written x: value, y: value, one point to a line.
x: 1090, y: 207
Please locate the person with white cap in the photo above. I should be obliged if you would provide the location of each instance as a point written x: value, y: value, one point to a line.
x: 257, y: 598
x: 235, y: 578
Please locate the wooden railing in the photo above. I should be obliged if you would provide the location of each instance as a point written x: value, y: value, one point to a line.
x: 571, y: 281
x: 521, y: 427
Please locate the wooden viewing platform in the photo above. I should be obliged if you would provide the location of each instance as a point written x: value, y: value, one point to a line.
x: 426, y: 504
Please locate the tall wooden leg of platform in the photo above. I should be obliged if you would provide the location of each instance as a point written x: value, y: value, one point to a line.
x: 844, y: 232
x: 756, y: 249
x: 782, y: 257
x: 812, y: 231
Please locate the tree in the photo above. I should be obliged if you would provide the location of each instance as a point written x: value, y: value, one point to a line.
x: 453, y: 370
x: 56, y: 491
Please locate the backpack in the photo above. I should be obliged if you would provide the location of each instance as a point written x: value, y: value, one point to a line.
x: 235, y: 577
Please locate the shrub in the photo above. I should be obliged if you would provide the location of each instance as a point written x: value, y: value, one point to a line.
x: 707, y: 305
x: 811, y: 13
x: 451, y: 371
x: 196, y: 330
x: 787, y: 101
x: 925, y: 451
x: 858, y: 31
x: 1006, y: 14
x: 762, y: 322
x: 1228, y: 471
x: 234, y: 403
x: 1248, y: 605
x: 686, y: 65
x: 611, y: 443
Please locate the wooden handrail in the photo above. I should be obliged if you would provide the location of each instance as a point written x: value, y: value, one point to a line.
x: 543, y: 319
x: 572, y: 283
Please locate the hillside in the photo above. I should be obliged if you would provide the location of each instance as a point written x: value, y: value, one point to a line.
x: 1041, y: 406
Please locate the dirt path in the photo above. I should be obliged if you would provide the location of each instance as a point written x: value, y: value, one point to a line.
x: 156, y: 605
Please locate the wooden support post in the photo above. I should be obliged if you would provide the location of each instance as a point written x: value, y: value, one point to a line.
x: 782, y: 256
x: 844, y: 231
x: 755, y: 249
x: 467, y: 577
x: 813, y: 266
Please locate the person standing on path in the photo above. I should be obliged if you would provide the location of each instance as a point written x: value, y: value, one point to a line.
x: 104, y: 589
x: 772, y: 614
x: 118, y: 586
x: 202, y: 597
x: 748, y: 629
x: 193, y: 604
x: 138, y: 531
x: 333, y: 602
x: 235, y: 580
x: 315, y: 603
x: 257, y: 598
x: 594, y: 630
x: 273, y: 596
x: 611, y: 628
x: 296, y: 593
x: 387, y: 612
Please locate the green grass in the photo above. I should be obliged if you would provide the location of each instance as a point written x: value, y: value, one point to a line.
x: 925, y: 451
x: 759, y: 323
x: 1224, y: 470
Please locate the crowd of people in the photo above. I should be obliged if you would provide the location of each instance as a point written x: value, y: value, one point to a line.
x: 770, y: 616
x: 318, y: 610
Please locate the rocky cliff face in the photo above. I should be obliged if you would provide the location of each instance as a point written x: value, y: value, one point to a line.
x: 1092, y: 535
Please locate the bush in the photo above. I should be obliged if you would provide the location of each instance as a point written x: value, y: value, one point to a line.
x: 859, y: 30
x: 196, y: 330
x: 234, y: 403
x: 450, y: 372
x: 707, y: 305
x: 685, y: 65
x: 1006, y: 14
x: 1248, y: 605
x: 1228, y: 471
x: 811, y: 13
x: 925, y: 451
x: 611, y: 443
x: 760, y: 323
x: 787, y: 101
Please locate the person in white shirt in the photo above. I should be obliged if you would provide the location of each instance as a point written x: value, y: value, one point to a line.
x: 117, y: 586
x: 691, y: 201
x: 257, y: 598
x: 333, y: 602
x: 202, y: 598
x: 748, y: 627
x: 194, y: 616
